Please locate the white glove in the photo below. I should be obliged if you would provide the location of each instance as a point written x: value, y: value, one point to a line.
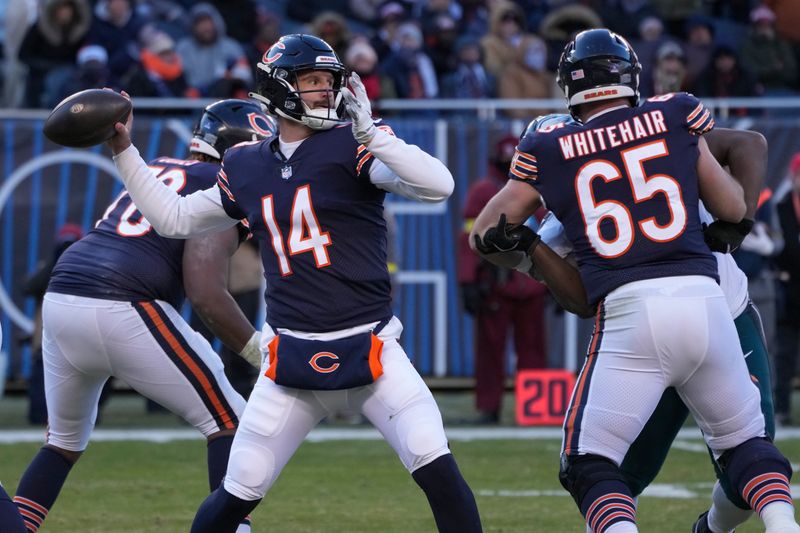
x: 356, y: 102
x: 252, y: 350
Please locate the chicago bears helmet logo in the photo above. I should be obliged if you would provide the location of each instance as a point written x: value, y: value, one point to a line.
x: 263, y: 127
x: 272, y: 54
x: 318, y: 358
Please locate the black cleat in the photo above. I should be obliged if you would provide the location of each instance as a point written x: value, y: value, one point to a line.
x: 701, y: 525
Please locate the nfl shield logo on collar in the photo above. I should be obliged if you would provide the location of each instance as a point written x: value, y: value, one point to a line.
x: 286, y: 172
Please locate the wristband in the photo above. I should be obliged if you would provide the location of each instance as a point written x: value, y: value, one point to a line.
x: 252, y: 350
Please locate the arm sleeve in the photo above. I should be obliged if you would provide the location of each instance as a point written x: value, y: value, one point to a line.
x: 407, y: 170
x: 171, y: 214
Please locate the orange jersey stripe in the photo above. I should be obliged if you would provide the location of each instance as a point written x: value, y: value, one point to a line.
x: 582, y: 383
x: 190, y: 364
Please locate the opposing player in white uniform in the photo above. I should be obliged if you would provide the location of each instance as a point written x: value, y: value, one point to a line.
x: 314, y: 199
x: 626, y: 181
x: 112, y: 309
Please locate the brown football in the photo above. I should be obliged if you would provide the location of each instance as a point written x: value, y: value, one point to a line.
x: 86, y: 118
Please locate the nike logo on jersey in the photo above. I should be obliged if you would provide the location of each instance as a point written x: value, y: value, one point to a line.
x: 748, y: 353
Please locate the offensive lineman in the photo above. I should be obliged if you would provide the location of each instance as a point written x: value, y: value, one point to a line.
x: 314, y: 199
x: 625, y: 182
x: 745, y: 152
x: 112, y: 309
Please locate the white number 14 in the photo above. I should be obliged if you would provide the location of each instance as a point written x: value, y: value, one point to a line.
x: 305, y: 234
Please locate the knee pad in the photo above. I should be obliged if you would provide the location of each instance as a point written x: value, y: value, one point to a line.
x: 579, y: 473
x: 752, y: 458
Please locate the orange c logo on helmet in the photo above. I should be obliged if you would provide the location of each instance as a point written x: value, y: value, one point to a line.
x: 315, y: 362
x: 254, y: 119
x: 276, y: 55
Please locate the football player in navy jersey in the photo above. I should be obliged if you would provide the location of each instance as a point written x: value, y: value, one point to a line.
x: 314, y: 199
x: 112, y: 309
x: 625, y: 180
x: 745, y: 153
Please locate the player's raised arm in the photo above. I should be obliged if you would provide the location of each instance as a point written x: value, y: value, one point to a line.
x: 407, y: 169
x: 169, y: 213
x: 721, y: 194
x: 745, y: 153
x: 205, y: 279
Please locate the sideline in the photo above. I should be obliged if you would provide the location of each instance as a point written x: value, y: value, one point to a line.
x: 324, y: 434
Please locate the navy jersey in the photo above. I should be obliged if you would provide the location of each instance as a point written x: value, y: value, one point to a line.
x: 123, y: 258
x: 625, y: 187
x: 319, y: 221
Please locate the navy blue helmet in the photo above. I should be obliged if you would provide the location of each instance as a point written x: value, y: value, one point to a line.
x: 276, y: 80
x: 229, y: 122
x: 598, y: 65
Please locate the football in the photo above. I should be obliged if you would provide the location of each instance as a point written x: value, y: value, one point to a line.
x: 86, y: 118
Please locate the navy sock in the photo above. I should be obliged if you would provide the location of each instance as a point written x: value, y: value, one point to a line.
x: 221, y: 512
x: 10, y: 518
x: 218, y: 451
x: 449, y: 496
x: 40, y: 485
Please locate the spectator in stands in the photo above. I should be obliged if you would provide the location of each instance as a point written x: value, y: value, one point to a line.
x: 625, y: 16
x: 362, y: 59
x: 50, y: 47
x: 241, y: 18
x: 560, y: 25
x: 787, y: 22
x: 332, y: 28
x: 499, y: 299
x: 669, y: 72
x: 474, y: 18
x: 767, y: 55
x: 269, y: 31
x: 391, y: 15
x: 159, y: 72
x: 650, y: 38
x: 213, y: 63
x: 698, y: 48
x: 788, y: 331
x: 517, y: 59
x: 365, y: 11
x: 306, y: 10
x: 116, y: 27
x: 92, y: 73
x: 725, y: 77
x: 440, y: 36
x: 409, y: 67
x: 470, y: 79
x: 676, y: 14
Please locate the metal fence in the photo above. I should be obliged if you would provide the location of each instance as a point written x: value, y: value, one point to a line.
x: 44, y: 186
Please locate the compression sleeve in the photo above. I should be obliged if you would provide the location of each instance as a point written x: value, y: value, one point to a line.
x: 407, y: 170
x: 171, y: 214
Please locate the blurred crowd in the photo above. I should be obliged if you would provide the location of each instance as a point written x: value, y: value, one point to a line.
x: 401, y: 48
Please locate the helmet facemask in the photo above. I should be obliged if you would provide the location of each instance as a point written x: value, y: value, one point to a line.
x: 277, y: 87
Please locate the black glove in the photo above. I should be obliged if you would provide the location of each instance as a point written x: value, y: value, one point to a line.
x: 726, y: 237
x: 506, y: 237
x: 473, y: 298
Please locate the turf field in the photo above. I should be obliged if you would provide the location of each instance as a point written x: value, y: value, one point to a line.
x: 351, y: 485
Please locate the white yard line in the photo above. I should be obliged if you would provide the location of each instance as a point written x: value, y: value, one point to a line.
x: 656, y: 490
x: 688, y: 439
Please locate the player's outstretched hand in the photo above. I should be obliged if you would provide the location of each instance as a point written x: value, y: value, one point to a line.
x: 506, y: 237
x: 122, y: 139
x: 356, y: 102
x: 726, y: 237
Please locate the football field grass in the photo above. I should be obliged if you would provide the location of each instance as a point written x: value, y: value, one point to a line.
x: 336, y: 485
